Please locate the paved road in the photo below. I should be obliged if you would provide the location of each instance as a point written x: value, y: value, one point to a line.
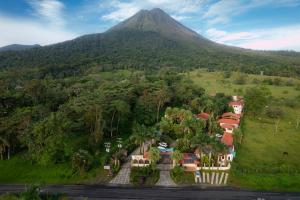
x: 177, y: 193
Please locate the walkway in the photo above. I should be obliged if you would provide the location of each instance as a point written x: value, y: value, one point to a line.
x: 123, y: 177
x: 165, y: 178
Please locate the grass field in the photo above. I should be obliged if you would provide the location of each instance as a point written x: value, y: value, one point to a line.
x: 18, y: 170
x: 260, y: 162
x: 214, y: 82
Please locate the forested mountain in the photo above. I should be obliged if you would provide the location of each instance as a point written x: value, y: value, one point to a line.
x: 148, y: 40
x: 18, y: 47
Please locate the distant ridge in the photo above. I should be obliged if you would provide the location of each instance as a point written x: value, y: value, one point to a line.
x: 18, y: 47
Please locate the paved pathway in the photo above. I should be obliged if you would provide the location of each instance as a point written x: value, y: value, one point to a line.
x: 122, y: 177
x: 165, y: 179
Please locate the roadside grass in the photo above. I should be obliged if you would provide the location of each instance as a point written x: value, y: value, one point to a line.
x: 214, y: 82
x: 19, y: 170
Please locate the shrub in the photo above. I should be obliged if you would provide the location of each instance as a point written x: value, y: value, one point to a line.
x: 144, y: 176
x: 179, y: 176
x: 256, y: 81
x: 81, y: 161
x: 290, y: 82
x: 240, y: 80
x: 227, y: 74
x: 274, y: 112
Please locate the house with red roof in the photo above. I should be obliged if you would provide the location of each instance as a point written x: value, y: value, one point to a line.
x: 190, y: 162
x: 231, y: 115
x: 203, y: 115
x: 230, y: 122
x: 227, y: 139
x: 237, y: 106
x: 228, y: 128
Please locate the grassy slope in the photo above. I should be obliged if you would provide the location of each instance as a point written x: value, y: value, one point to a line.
x: 213, y: 82
x: 260, y: 163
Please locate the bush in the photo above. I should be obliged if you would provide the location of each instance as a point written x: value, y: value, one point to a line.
x: 179, y: 176
x: 256, y: 81
x: 227, y: 74
x: 240, y: 80
x: 274, y: 112
x: 144, y: 176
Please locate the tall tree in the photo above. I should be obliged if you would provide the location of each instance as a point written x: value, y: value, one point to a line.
x: 256, y: 99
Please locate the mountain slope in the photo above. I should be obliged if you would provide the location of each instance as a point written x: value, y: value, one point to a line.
x: 18, y: 47
x: 149, y: 39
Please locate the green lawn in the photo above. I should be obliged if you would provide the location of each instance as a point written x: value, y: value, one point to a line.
x: 260, y: 162
x: 18, y: 170
x: 214, y: 82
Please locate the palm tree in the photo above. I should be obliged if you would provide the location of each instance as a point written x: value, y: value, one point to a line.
x: 154, y: 155
x: 176, y: 156
x: 152, y: 135
x: 140, y: 135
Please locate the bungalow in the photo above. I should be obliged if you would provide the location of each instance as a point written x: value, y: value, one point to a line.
x: 237, y: 106
x: 228, y: 128
x: 140, y: 160
x: 190, y: 162
x: 227, y: 139
x: 230, y: 115
x: 203, y: 115
x: 231, y: 122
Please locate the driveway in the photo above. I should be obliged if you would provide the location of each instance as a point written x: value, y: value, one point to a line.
x: 123, y: 177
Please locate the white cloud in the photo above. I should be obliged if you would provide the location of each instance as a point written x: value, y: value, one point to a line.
x: 50, y: 10
x: 22, y: 31
x: 180, y: 17
x: 280, y: 38
x: 222, y: 11
x: 47, y: 27
x: 123, y: 10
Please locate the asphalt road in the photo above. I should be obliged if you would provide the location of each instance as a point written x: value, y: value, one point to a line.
x: 175, y: 193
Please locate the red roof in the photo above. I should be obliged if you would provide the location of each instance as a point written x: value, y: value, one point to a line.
x: 230, y: 114
x: 203, y: 115
x: 227, y: 139
x: 227, y: 126
x: 189, y: 158
x: 235, y: 103
x: 228, y: 121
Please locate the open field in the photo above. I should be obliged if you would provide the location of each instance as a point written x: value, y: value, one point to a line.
x: 214, y: 82
x: 260, y: 162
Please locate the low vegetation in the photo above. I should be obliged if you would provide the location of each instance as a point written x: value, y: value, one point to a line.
x: 181, y: 177
x: 33, y: 192
x: 144, y: 176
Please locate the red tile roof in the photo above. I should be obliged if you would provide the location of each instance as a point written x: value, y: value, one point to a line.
x: 228, y: 121
x: 235, y: 103
x: 230, y: 114
x: 227, y: 139
x: 203, y: 115
x: 227, y: 126
x: 189, y: 158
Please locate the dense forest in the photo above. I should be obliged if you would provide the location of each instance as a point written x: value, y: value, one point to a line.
x: 52, y: 120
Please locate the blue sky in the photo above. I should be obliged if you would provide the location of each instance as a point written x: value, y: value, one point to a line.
x: 255, y: 24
